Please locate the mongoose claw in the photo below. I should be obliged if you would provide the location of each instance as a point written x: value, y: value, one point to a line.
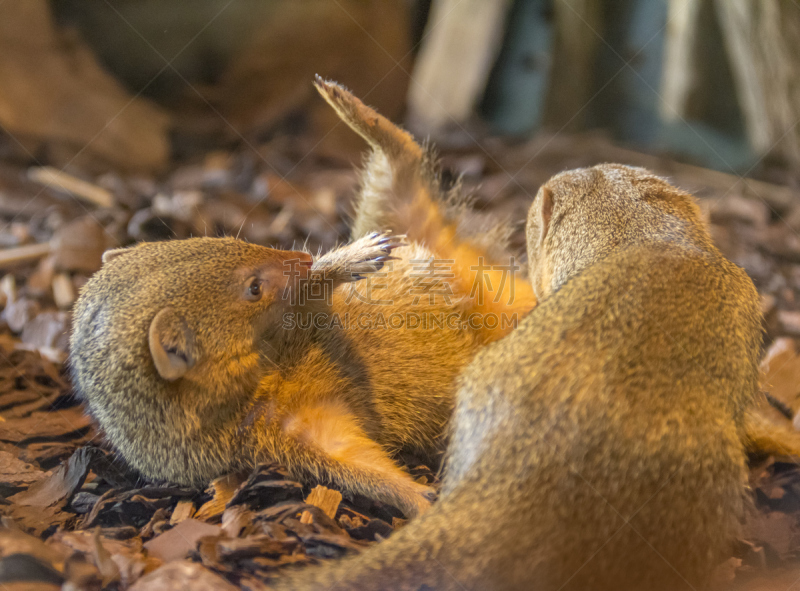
x: 352, y: 262
x: 392, y: 241
x: 420, y: 501
x: 430, y: 495
x: 372, y: 252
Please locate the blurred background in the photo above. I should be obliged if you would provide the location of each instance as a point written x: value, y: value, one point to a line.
x: 132, y: 120
x: 711, y: 81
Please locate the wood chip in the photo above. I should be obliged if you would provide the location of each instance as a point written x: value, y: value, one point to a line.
x: 23, y: 254
x: 79, y: 245
x: 177, y: 542
x: 8, y: 285
x: 62, y: 423
x: 235, y: 519
x: 63, y: 291
x: 14, y: 472
x: 103, y: 560
x: 223, y: 489
x: 182, y: 575
x: 326, y: 499
x: 60, y: 484
x: 183, y: 510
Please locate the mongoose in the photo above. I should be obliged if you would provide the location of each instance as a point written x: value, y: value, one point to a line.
x: 600, y: 444
x: 201, y: 356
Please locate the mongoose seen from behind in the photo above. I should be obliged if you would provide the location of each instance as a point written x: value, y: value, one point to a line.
x: 600, y: 444
x: 181, y: 351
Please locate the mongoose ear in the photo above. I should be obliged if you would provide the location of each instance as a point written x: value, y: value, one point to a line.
x: 171, y: 344
x: 114, y: 253
x: 544, y: 212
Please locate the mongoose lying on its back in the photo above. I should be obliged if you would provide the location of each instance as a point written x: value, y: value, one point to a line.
x: 599, y: 445
x: 183, y: 352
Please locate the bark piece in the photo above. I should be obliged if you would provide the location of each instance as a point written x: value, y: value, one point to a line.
x: 326, y: 499
x: 62, y: 423
x: 60, y: 485
x: 15, y: 472
x: 180, y: 540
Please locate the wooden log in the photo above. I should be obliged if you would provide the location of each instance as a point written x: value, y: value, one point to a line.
x: 461, y: 44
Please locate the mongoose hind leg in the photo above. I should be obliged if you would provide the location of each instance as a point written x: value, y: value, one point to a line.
x: 401, y: 191
x: 323, y: 442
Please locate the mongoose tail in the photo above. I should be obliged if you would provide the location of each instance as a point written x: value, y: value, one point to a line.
x: 401, y: 192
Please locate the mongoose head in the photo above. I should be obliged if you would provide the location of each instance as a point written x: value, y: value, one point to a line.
x: 176, y: 325
x: 623, y: 206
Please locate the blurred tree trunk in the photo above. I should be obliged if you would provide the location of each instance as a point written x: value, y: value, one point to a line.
x: 763, y: 42
x: 578, y: 29
x: 680, y: 77
x: 460, y: 45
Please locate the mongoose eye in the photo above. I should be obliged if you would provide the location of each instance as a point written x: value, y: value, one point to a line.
x: 254, y: 290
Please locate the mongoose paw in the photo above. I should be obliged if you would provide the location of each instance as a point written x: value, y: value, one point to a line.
x: 372, y: 252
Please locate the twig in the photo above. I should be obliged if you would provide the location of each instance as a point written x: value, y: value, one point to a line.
x: 56, y: 179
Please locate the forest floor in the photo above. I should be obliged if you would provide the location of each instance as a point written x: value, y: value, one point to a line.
x: 72, y: 512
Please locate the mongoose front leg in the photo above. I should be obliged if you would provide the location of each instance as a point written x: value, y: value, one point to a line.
x: 324, y: 442
x: 346, y: 264
x: 352, y: 261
